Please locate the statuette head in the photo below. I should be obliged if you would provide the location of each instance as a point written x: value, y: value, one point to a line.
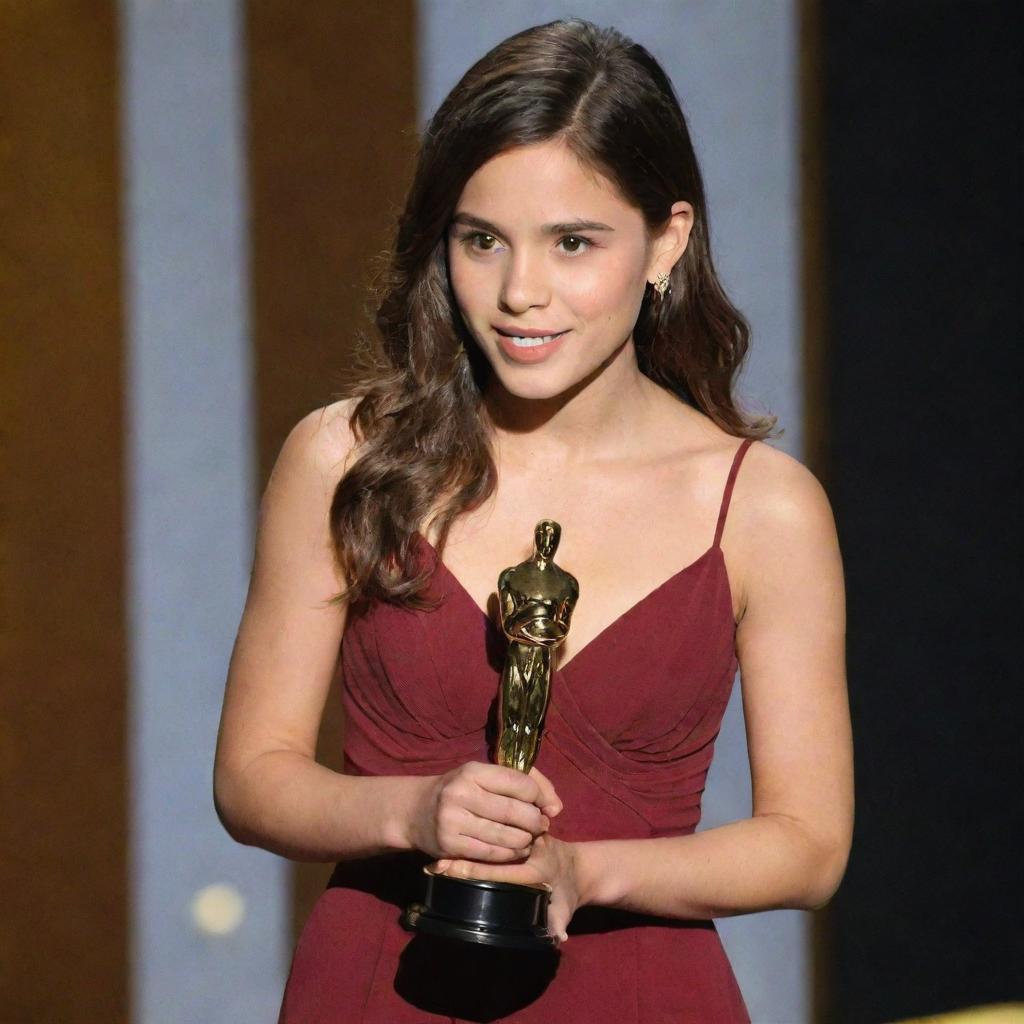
x: 546, y: 535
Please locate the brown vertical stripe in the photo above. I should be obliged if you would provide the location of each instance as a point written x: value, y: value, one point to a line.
x: 816, y: 420
x: 332, y: 122
x: 63, y: 924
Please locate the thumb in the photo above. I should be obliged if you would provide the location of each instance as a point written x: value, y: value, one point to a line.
x: 558, y: 925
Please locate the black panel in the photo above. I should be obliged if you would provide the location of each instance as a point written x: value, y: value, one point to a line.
x: 922, y: 155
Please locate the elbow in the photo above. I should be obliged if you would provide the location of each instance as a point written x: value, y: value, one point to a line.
x: 824, y: 880
x: 225, y: 818
x: 226, y: 801
x: 816, y: 864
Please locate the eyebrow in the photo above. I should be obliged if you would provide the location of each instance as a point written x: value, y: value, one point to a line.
x: 567, y: 228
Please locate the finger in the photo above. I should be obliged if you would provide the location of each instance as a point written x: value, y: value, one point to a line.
x: 558, y: 922
x: 495, y: 833
x: 524, y: 819
x: 483, y: 872
x: 475, y: 814
x: 518, y: 874
x: 547, y: 800
x: 471, y: 848
x: 531, y: 787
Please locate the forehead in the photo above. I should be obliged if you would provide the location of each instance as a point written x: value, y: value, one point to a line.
x: 542, y: 183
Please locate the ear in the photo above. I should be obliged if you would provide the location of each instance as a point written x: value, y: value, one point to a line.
x: 668, y: 246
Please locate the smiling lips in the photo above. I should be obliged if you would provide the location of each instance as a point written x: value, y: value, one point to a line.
x: 529, y: 346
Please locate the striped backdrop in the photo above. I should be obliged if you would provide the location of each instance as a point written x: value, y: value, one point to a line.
x: 190, y: 196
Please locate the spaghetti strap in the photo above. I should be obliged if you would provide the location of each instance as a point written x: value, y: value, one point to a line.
x: 736, y: 460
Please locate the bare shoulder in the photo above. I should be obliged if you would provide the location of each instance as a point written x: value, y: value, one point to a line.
x: 293, y: 543
x: 780, y: 520
x: 774, y: 491
x: 323, y: 440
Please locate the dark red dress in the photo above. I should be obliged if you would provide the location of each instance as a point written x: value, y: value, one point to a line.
x: 628, y: 739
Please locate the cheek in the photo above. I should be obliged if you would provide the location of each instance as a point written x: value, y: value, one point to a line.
x: 605, y: 292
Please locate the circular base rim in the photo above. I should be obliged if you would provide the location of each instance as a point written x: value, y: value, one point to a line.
x: 417, y: 918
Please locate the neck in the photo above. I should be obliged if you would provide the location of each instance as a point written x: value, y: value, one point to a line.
x: 596, y: 418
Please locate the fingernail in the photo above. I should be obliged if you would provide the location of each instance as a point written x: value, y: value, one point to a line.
x: 443, y: 865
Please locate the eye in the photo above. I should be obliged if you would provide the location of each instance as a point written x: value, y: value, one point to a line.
x: 576, y: 239
x: 487, y: 243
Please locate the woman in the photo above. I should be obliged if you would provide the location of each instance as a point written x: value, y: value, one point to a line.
x: 553, y: 343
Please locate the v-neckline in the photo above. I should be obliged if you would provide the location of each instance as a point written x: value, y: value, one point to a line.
x: 601, y: 633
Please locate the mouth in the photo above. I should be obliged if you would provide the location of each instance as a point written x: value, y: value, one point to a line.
x: 529, y: 349
x: 530, y: 341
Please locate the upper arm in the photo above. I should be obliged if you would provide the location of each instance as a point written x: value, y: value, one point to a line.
x: 288, y: 639
x: 791, y: 648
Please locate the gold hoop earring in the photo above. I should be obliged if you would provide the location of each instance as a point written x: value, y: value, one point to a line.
x: 661, y: 285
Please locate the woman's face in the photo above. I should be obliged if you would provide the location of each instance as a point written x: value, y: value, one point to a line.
x: 539, y: 246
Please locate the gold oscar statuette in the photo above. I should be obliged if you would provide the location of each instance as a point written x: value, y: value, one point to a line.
x: 536, y: 600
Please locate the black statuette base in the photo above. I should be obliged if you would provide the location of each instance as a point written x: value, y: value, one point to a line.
x: 489, y: 913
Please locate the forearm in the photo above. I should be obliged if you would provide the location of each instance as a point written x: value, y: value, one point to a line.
x: 288, y: 804
x: 766, y: 862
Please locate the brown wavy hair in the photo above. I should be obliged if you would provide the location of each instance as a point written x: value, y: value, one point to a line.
x: 423, y: 448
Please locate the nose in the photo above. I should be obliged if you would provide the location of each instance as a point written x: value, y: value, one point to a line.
x: 524, y: 284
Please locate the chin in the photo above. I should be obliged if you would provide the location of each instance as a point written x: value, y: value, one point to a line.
x: 535, y: 385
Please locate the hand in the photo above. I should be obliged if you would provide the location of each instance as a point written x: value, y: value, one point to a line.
x: 551, y: 862
x: 483, y: 812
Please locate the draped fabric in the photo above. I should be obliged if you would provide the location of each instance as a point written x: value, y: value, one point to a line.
x: 628, y: 739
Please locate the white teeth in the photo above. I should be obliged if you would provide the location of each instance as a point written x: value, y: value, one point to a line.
x: 531, y: 342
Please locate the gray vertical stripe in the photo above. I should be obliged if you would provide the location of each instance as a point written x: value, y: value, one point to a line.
x: 191, y: 509
x: 735, y: 69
